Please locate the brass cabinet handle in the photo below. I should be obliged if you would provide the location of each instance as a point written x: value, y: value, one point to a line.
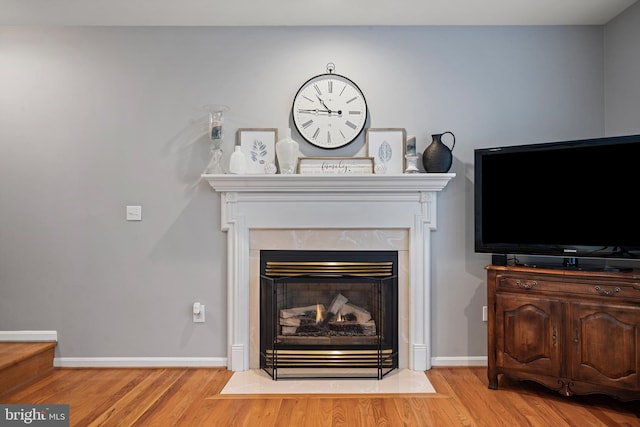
x: 554, y: 336
x: 525, y: 285
x: 607, y: 293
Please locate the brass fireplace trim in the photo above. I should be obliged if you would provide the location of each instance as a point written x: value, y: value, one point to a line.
x: 328, y: 269
x: 342, y: 358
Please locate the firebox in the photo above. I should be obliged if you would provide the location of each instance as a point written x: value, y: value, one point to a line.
x: 328, y: 313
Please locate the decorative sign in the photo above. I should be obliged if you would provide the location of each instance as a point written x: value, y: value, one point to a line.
x: 335, y: 165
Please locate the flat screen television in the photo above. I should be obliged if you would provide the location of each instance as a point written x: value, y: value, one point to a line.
x: 571, y: 199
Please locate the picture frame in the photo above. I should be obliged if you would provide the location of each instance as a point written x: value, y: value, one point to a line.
x: 387, y: 146
x: 259, y: 147
x: 335, y: 165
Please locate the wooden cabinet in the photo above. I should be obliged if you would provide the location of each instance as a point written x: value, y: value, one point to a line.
x: 572, y: 331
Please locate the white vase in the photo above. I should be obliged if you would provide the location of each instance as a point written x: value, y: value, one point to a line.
x: 288, y: 152
x: 238, y: 161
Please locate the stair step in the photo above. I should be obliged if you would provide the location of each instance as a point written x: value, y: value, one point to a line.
x: 23, y: 362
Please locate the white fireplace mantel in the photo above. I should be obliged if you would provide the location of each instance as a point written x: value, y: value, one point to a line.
x: 343, y: 202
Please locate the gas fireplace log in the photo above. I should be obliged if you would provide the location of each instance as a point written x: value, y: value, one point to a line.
x: 333, y: 328
x: 354, y: 328
x: 349, y: 320
x: 360, y: 313
x: 289, y: 330
x: 297, y: 311
x: 308, y: 318
x: 337, y: 303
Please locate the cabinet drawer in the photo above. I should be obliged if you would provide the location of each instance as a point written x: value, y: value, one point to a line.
x: 595, y: 288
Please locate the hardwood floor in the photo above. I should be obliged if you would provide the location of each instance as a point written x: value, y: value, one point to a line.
x: 24, y: 362
x: 190, y: 397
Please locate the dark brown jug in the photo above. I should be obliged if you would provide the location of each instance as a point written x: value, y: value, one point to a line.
x: 438, y: 157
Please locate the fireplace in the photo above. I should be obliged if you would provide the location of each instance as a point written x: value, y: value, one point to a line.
x: 328, y: 313
x: 310, y: 212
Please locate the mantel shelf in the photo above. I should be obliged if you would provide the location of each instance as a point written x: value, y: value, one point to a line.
x: 418, y: 182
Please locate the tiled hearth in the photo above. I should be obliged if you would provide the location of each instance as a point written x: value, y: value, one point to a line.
x: 304, y: 212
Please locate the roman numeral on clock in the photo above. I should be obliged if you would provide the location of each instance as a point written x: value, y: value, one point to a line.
x: 315, y: 134
x: 307, y: 124
x: 317, y: 89
x: 355, y: 112
x: 330, y: 86
x: 351, y: 125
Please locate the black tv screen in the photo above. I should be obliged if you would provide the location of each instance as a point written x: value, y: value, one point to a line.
x: 570, y: 199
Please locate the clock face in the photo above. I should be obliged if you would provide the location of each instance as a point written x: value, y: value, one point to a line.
x: 329, y: 111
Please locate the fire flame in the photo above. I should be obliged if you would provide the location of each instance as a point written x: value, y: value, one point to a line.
x: 318, y: 314
x: 339, y: 318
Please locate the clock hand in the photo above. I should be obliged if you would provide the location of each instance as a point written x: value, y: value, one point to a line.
x: 339, y: 112
x: 323, y: 104
x: 316, y: 111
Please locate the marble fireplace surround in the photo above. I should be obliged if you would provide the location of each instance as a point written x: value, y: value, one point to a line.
x: 334, y: 212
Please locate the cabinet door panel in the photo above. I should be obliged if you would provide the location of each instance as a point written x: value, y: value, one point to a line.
x: 604, y: 347
x: 528, y: 334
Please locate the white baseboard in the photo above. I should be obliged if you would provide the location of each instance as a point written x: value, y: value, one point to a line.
x: 139, y: 362
x: 153, y: 362
x: 26, y: 336
x: 459, y: 361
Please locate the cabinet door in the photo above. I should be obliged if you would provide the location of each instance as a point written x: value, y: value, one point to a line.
x: 604, y: 344
x: 528, y: 334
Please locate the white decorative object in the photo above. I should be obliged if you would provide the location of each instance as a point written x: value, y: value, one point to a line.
x: 270, y: 169
x: 288, y: 152
x: 412, y: 163
x: 238, y: 162
x: 379, y: 168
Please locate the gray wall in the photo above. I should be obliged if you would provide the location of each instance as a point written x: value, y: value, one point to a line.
x: 622, y: 70
x: 93, y: 119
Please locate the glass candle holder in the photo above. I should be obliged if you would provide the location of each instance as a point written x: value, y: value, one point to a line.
x: 216, y: 135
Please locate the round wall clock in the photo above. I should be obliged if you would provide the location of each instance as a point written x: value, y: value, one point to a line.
x: 329, y: 110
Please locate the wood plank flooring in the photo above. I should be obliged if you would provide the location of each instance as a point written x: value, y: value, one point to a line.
x: 23, y: 362
x: 191, y: 397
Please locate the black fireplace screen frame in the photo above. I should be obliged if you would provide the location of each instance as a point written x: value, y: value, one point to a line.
x: 373, y: 356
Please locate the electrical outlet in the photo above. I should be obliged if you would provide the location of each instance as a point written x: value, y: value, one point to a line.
x: 485, y: 313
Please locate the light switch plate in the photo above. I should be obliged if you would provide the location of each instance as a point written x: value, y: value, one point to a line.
x: 199, y: 317
x: 134, y: 213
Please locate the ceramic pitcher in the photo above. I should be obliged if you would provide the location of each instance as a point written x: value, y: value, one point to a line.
x: 438, y: 157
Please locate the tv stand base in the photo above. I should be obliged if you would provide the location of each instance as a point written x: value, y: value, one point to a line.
x: 557, y: 327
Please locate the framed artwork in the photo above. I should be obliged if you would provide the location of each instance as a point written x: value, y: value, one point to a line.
x: 259, y: 148
x: 387, y: 147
